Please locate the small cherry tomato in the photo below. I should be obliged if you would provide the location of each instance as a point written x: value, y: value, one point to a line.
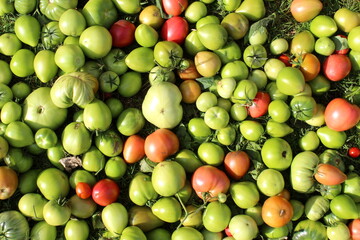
x: 354, y: 152
x: 83, y: 190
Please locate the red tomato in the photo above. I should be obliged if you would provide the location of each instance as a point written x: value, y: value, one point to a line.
x: 277, y: 211
x: 354, y: 227
x: 174, y: 7
x: 354, y: 152
x: 105, y: 192
x: 122, y: 33
x: 336, y: 67
x: 340, y: 115
x: 236, y: 164
x: 259, y: 105
x: 134, y: 149
x: 285, y: 59
x: 227, y: 232
x: 83, y: 190
x: 161, y: 144
x: 208, y: 181
x: 175, y: 29
x: 328, y: 174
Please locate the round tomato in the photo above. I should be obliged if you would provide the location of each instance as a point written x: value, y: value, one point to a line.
x: 216, y: 216
x: 346, y: 19
x: 344, y: 207
x: 216, y: 117
x: 31, y: 205
x: 130, y: 121
x: 277, y: 211
x: 9, y: 44
x: 56, y: 214
x: 354, y: 227
x: 309, y: 65
x: 245, y: 194
x: 354, y: 152
x: 251, y: 130
x: 323, y: 26
x: 303, y: 107
x: 161, y: 144
x: 336, y: 67
x: 354, y: 38
x: 109, y: 81
x: 146, y: 35
x: 211, y: 153
x: 190, y: 90
x: 302, y: 42
x: 105, y: 192
x: 174, y: 7
x: 270, y: 182
x: 45, y: 138
x: 109, y: 142
x: 236, y: 24
x: 72, y: 22
x: 9, y: 182
x: 255, y: 56
x: 175, y: 29
x: 212, y: 35
x: 195, y: 11
x: 22, y: 63
x: 141, y: 190
x: 143, y: 218
x: 324, y: 46
x: 340, y: 115
x: 208, y: 181
x: 83, y: 190
x: 290, y: 81
x: 122, y: 33
x: 69, y: 58
x: 151, y: 15
x: 259, y: 105
x: 76, y: 229
x: 243, y: 226
x: 95, y: 41
x: 82, y: 208
x: 167, y: 209
x: 6, y: 74
x: 168, y: 54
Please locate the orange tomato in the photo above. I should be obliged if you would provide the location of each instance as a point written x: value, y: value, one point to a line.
x: 277, y: 211
x: 237, y: 164
x: 328, y: 174
x: 309, y: 65
x: 188, y: 72
x: 134, y: 149
x: 190, y: 91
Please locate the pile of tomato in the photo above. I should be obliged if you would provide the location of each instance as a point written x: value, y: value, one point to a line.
x: 179, y: 119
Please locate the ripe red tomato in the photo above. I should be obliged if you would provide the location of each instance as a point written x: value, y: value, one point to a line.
x: 354, y: 227
x: 277, y: 211
x: 174, y: 7
x: 259, y: 106
x: 161, y: 144
x: 329, y: 175
x: 340, y: 115
x: 208, y: 181
x: 227, y: 232
x: 354, y: 152
x: 285, y: 59
x: 336, y: 67
x: 105, y: 192
x: 83, y: 190
x: 236, y: 164
x: 175, y: 29
x: 122, y: 33
x: 134, y: 149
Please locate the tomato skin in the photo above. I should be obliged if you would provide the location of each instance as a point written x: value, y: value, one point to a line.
x: 161, y: 144
x: 285, y: 59
x: 236, y: 163
x: 328, y: 174
x: 305, y: 10
x: 309, y: 65
x: 336, y: 67
x: 211, y: 180
x: 122, y: 33
x: 354, y: 227
x: 277, y: 211
x: 259, y: 105
x: 83, y: 190
x: 134, y: 149
x: 174, y: 7
x: 190, y: 90
x: 340, y: 115
x: 105, y: 192
x: 354, y: 152
x: 175, y: 29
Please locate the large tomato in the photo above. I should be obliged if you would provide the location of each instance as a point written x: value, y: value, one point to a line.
x: 134, y: 149
x: 236, y: 163
x: 100, y: 12
x: 340, y: 115
x: 304, y: 11
x: 259, y: 105
x: 122, y: 33
x: 209, y: 181
x: 54, y: 9
x: 277, y: 211
x: 95, y: 41
x: 14, y: 225
x: 53, y: 183
x: 216, y: 216
x: 336, y: 67
x: 175, y: 29
x: 8, y: 182
x: 75, y: 138
x: 174, y: 7
x: 302, y: 171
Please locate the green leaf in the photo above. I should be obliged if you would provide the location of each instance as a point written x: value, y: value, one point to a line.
x: 207, y: 82
x: 259, y: 26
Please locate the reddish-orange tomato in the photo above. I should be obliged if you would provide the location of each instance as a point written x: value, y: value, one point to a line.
x: 190, y: 90
x: 134, y: 149
x: 105, y: 192
x: 188, y: 71
x: 208, y: 181
x: 309, y: 65
x: 237, y: 164
x: 336, y: 67
x: 341, y: 115
x: 161, y: 144
x: 174, y: 7
x: 83, y: 190
x: 305, y: 10
x: 260, y: 104
x: 277, y: 211
x: 8, y: 182
x: 354, y: 227
x: 328, y: 174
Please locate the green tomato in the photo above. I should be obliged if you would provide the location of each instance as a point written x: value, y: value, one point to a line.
x: 115, y: 217
x: 97, y: 116
x: 22, y: 63
x: 20, y: 90
x: 56, y: 214
x: 236, y: 24
x: 93, y: 160
x: 186, y: 233
x: 272, y: 67
x: 211, y: 153
x: 216, y: 117
x: 302, y: 171
x: 146, y: 36
x: 244, y: 92
x: 9, y: 44
x: 319, y: 85
x: 10, y: 112
x: 198, y: 129
x: 168, y: 54
x: 31, y: 205
x: 45, y: 66
x: 251, y: 130
x: 226, y: 136
x: 115, y: 61
x: 132, y: 233
x: 140, y: 59
x: 330, y: 191
x: 279, y: 110
x: 303, y: 107
x: 27, y: 29
x: 270, y: 182
x: 205, y: 101
x: 54, y: 155
x: 229, y: 52
x: 216, y: 216
x: 81, y: 175
x: 141, y: 189
x: 109, y: 142
x: 302, y: 42
x: 130, y: 84
x: 6, y: 94
x: 259, y: 36
x: 308, y: 229
x: 195, y: 11
x: 188, y: 159
x: 76, y: 229
x: 324, y: 46
x: 5, y: 72
x: 69, y: 58
x: 82, y: 208
x: 344, y: 207
x: 299, y: 209
x: 51, y: 36
x: 245, y: 194
x: 42, y: 230
x: 46, y: 138
x: 95, y: 42
x: 354, y: 39
x: 331, y: 138
x: 315, y: 207
x: 130, y: 121
x: 92, y: 67
x: 128, y: 6
x: 274, y: 92
x: 255, y: 56
x: 115, y: 105
x: 115, y: 168
x: 279, y: 232
x: 168, y: 209
x: 101, y: 13
x: 158, y: 233
x: 309, y: 142
x: 338, y: 231
x: 53, y: 183
x: 236, y: 69
x: 143, y: 218
x: 279, y: 46
x: 109, y: 81
x: 72, y: 23
x: 27, y: 181
x: 192, y: 44
x: 323, y: 26
x: 290, y: 81
x: 76, y: 138
x: 277, y: 154
x: 19, y: 134
x: 238, y: 112
x: 243, y: 227
x: 168, y: 177
x: 212, y: 35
